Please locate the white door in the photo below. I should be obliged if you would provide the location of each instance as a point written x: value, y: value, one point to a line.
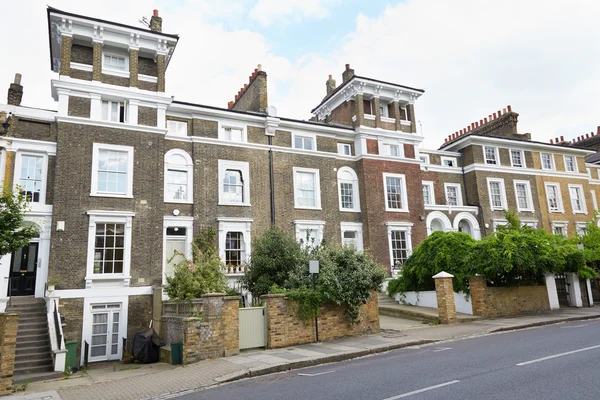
x: 253, y: 327
x: 174, y: 244
x: 105, y: 343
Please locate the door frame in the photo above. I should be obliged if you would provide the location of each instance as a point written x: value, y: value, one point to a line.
x: 173, y: 222
x: 86, y: 332
x: 35, y: 266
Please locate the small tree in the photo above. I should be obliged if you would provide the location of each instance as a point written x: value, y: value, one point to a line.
x: 15, y: 233
x: 275, y: 255
x: 200, y: 275
x: 591, y: 244
x: 441, y: 251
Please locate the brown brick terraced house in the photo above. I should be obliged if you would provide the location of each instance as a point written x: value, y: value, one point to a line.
x: 121, y: 175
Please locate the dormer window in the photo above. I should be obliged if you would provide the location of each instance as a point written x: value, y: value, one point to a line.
x: 115, y: 111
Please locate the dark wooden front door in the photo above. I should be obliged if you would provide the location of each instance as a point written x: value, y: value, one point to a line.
x: 23, y: 269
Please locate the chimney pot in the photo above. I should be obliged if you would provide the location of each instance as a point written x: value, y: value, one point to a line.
x: 556, y: 139
x: 485, y: 120
x: 509, y: 108
x: 245, y: 86
x: 598, y: 131
x: 155, y: 13
x: 18, y: 78
x: 494, y: 115
x: 259, y: 67
x: 504, y: 111
x: 587, y: 135
x: 562, y: 138
x: 499, y: 113
x: 347, y: 67
x: 445, y: 140
x: 551, y: 141
x: 329, y: 76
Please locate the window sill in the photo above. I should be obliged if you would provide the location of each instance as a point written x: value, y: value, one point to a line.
x: 106, y: 277
x: 525, y: 211
x: 580, y: 212
x: 221, y: 203
x: 405, y: 122
x: 370, y: 117
x: 388, y: 119
x: 556, y: 211
x: 349, y: 210
x: 120, y: 196
x: 178, y: 202
x: 121, y: 74
x: 307, y: 208
x: 396, y: 210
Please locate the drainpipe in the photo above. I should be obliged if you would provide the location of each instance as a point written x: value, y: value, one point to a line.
x: 271, y: 181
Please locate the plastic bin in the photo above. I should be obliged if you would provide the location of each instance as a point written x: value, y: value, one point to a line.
x: 71, y: 354
x: 177, y: 353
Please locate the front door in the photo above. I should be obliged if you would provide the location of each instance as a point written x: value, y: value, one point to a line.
x: 106, y: 320
x: 23, y: 270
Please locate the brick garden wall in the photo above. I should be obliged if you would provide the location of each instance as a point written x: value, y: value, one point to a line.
x: 492, y: 302
x: 8, y: 344
x: 285, y: 328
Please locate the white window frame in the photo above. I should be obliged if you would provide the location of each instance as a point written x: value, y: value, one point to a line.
x: 383, y: 109
x: 424, y: 158
x: 579, y: 188
x: 561, y: 208
x: 353, y: 227
x: 575, y: 168
x: 342, y: 149
x: 109, y: 217
x: 88, y: 319
x: 496, y: 155
x: 318, y: 227
x: 430, y: 185
x: 504, y: 205
x: 316, y: 172
x: 2, y: 166
x: 188, y: 168
x: 177, y: 222
x: 243, y: 225
x: 399, y: 226
x: 177, y: 128
x: 223, y: 127
x: 530, y: 207
x: 112, y: 71
x: 244, y: 168
x: 17, y: 175
x: 404, y: 198
x: 304, y: 136
x: 552, y: 166
x: 594, y: 200
x: 459, y: 199
x: 355, y: 191
x: 95, y: 158
x: 383, y: 148
x: 451, y: 159
x: 560, y: 224
x: 580, y: 228
x: 522, y: 154
x: 109, y: 103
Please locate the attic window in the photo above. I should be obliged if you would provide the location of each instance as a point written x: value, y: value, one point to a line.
x: 115, y: 63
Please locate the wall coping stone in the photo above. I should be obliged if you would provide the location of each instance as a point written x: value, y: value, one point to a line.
x: 271, y: 296
x: 443, y: 274
x: 238, y: 298
x: 212, y: 295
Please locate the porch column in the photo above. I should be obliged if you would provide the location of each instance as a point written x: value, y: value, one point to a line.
x: 575, y: 290
x: 552, y: 293
x: 444, y: 291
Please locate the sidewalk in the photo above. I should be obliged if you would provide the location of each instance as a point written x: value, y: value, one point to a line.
x: 126, y: 382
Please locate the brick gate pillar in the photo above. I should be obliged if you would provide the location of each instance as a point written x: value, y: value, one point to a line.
x: 8, y: 344
x: 444, y: 291
x: 477, y: 287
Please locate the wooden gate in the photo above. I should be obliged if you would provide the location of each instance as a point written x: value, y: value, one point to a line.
x: 562, y: 290
x: 253, y: 327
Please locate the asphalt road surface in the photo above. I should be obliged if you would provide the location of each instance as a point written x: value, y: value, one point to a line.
x: 553, y: 362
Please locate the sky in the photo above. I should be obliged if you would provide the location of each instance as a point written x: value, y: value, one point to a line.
x: 472, y: 57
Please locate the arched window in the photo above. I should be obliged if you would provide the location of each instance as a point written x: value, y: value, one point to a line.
x: 348, y: 190
x: 467, y: 223
x: 437, y: 221
x: 178, y: 177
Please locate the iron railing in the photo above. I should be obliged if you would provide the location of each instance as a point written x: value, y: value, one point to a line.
x: 57, y: 327
x: 86, y: 353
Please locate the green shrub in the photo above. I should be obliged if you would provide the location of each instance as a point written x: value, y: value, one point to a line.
x: 200, y: 275
x: 441, y: 251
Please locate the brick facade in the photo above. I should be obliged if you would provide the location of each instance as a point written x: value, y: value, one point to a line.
x: 285, y: 328
x: 8, y: 343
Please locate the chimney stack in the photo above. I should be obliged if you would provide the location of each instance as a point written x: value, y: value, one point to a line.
x: 15, y: 92
x: 347, y: 74
x: 330, y: 84
x: 156, y: 22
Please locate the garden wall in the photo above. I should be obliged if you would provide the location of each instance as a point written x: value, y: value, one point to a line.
x: 429, y: 299
x: 285, y: 328
x: 491, y: 302
x: 8, y: 343
x: 213, y: 334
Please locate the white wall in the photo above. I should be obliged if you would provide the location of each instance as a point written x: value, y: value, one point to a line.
x: 429, y: 299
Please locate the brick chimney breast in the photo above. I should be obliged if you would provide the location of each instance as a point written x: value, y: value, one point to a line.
x: 15, y: 92
x: 155, y: 22
x: 347, y: 74
x: 330, y: 85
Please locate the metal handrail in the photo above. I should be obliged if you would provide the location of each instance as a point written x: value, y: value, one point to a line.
x: 57, y: 327
x: 9, y: 290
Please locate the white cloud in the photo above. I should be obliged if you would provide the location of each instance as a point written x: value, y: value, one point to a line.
x: 471, y: 57
x: 278, y: 12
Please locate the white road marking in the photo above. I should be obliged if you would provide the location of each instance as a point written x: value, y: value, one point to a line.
x: 573, y: 326
x: 401, y: 396
x: 558, y: 355
x: 442, y: 349
x: 317, y: 374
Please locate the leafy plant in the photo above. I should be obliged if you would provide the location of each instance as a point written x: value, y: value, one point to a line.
x: 200, y: 275
x: 15, y: 233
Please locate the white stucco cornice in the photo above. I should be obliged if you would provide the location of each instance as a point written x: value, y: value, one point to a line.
x: 515, y: 144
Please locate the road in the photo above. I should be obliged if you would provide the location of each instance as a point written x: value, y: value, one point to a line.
x: 552, y: 362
